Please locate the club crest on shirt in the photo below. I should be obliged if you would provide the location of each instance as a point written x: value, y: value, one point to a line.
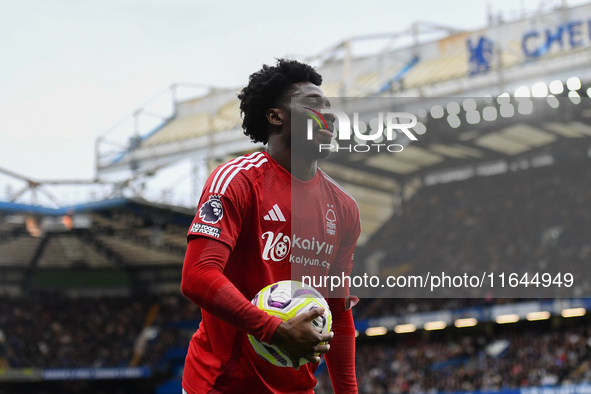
x: 331, y: 220
x: 211, y: 211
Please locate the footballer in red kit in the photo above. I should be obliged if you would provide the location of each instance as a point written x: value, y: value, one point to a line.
x: 262, y: 218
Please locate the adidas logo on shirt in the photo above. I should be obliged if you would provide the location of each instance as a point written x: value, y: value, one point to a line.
x: 275, y: 215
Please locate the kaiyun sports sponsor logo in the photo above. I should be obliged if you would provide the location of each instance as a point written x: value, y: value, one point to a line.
x: 387, y: 125
x: 278, y: 246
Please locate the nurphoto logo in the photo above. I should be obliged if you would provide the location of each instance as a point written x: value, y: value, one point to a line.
x: 394, y: 121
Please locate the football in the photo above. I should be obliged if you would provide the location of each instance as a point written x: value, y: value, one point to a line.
x: 287, y: 299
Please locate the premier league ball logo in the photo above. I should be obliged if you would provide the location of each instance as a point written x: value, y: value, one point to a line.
x: 211, y: 211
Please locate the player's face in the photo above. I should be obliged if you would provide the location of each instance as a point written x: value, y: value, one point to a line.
x: 305, y: 104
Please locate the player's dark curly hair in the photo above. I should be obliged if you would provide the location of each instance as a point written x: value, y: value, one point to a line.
x: 266, y: 89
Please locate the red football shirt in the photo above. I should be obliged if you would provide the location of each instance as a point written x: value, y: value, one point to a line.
x: 277, y: 228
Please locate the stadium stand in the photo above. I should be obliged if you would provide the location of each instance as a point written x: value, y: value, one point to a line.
x: 54, y: 331
x: 528, y: 221
x: 491, y: 358
x: 99, y: 247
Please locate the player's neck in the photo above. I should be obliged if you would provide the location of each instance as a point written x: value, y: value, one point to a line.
x: 301, y: 168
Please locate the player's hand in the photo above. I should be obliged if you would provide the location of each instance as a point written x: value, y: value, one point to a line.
x: 297, y: 339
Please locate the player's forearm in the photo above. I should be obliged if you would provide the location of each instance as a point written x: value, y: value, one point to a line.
x: 205, y: 285
x: 340, y: 360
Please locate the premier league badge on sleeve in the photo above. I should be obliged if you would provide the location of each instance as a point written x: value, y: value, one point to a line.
x: 211, y: 211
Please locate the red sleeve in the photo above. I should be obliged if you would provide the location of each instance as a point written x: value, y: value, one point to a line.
x: 221, y: 210
x: 204, y: 283
x: 340, y: 360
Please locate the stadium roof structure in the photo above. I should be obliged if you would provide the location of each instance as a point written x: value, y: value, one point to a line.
x: 118, y: 244
x: 425, y: 68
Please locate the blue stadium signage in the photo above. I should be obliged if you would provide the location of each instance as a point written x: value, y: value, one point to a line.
x: 535, y: 43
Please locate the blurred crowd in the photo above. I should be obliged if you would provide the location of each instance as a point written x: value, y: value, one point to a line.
x: 537, y: 220
x: 176, y: 321
x: 55, y: 331
x: 522, y: 356
x: 58, y: 332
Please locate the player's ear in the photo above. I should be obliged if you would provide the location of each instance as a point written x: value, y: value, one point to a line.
x: 274, y: 116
